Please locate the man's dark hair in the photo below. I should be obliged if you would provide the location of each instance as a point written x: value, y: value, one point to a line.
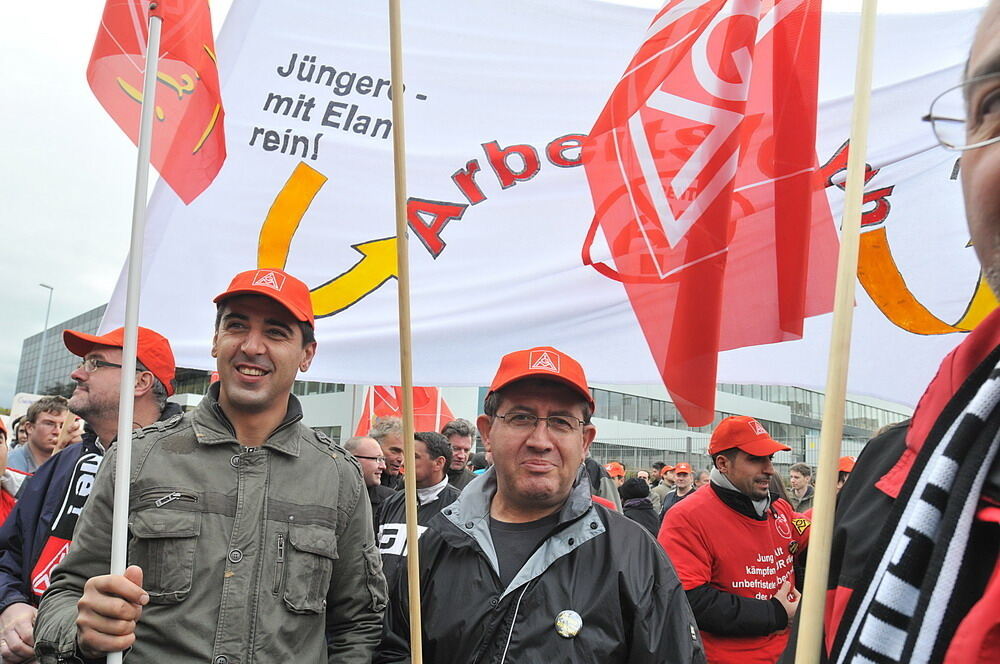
x: 478, y: 461
x: 459, y: 427
x: 308, y: 333
x: 492, y: 401
x: 802, y: 469
x: 55, y: 405
x: 729, y: 454
x: 437, y: 445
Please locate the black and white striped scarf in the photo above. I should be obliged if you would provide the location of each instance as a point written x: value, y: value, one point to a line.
x: 899, y: 606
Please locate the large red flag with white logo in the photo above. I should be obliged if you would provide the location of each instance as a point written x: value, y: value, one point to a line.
x: 188, y: 141
x: 704, y: 176
x: 430, y: 412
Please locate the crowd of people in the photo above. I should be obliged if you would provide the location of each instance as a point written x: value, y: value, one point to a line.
x: 252, y: 538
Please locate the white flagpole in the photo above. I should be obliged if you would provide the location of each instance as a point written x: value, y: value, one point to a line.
x: 811, y: 612
x: 437, y: 412
x: 123, y: 466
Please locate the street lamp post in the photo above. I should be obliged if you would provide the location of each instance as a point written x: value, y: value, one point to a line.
x: 45, y: 331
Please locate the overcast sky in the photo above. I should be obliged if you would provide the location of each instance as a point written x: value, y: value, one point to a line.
x: 67, y: 170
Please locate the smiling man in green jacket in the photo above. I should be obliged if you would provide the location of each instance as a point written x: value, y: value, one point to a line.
x: 250, y: 534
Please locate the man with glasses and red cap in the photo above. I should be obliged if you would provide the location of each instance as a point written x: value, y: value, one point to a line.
x: 914, y: 568
x: 524, y: 566
x: 733, y: 544
x: 250, y: 534
x: 37, y: 535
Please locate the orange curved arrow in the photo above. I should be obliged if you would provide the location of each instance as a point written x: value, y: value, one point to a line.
x: 881, y: 278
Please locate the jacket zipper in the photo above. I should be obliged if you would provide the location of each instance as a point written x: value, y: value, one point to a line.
x: 279, y: 565
x: 517, y: 606
x: 163, y: 498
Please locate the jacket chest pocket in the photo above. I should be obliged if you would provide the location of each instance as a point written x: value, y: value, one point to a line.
x: 163, y: 545
x: 307, y: 567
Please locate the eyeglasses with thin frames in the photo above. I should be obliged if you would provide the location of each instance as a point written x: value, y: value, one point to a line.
x: 379, y: 459
x: 92, y: 364
x: 559, y: 424
x: 959, y: 129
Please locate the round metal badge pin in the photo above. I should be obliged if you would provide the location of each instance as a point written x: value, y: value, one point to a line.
x: 568, y: 624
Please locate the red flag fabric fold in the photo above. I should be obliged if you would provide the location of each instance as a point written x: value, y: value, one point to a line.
x: 188, y: 147
x: 430, y: 412
x: 704, y: 176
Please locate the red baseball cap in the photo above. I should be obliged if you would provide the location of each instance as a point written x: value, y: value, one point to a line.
x: 846, y: 464
x: 278, y: 285
x: 682, y: 467
x: 153, y: 350
x: 615, y: 469
x: 666, y: 469
x: 543, y: 362
x: 747, y: 434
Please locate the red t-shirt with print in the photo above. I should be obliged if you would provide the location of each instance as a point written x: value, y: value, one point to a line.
x: 709, y: 542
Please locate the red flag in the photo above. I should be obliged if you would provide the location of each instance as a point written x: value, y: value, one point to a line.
x: 704, y: 175
x: 430, y: 412
x: 188, y: 140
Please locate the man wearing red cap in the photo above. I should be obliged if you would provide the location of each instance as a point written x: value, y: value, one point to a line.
x: 663, y: 486
x: 524, y: 567
x: 683, y: 487
x: 251, y: 535
x: 38, y: 534
x: 733, y: 544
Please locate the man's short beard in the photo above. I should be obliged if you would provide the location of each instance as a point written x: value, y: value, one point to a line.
x: 89, y: 409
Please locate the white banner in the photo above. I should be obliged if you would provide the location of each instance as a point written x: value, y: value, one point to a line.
x: 496, y: 97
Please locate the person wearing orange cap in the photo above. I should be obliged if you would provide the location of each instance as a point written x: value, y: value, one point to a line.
x: 845, y: 466
x: 42, y: 525
x: 617, y: 472
x: 250, y: 534
x: 524, y: 566
x: 733, y: 544
x: 664, y: 486
x: 683, y: 487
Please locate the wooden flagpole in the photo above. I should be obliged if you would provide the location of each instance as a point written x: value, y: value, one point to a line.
x: 405, y: 342
x: 811, y: 613
x: 126, y: 401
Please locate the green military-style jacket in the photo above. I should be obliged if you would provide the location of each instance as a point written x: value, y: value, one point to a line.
x: 249, y: 554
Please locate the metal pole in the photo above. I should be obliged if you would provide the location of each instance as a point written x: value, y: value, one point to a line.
x: 126, y: 402
x: 45, y: 333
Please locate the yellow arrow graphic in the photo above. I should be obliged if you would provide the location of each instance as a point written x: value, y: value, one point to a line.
x: 377, y: 265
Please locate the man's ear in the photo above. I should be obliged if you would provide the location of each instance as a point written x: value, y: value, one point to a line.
x: 309, y: 352
x: 143, y: 383
x: 589, y: 434
x: 485, y: 423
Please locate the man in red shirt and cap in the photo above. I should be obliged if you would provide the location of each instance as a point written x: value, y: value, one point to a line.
x: 733, y: 544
